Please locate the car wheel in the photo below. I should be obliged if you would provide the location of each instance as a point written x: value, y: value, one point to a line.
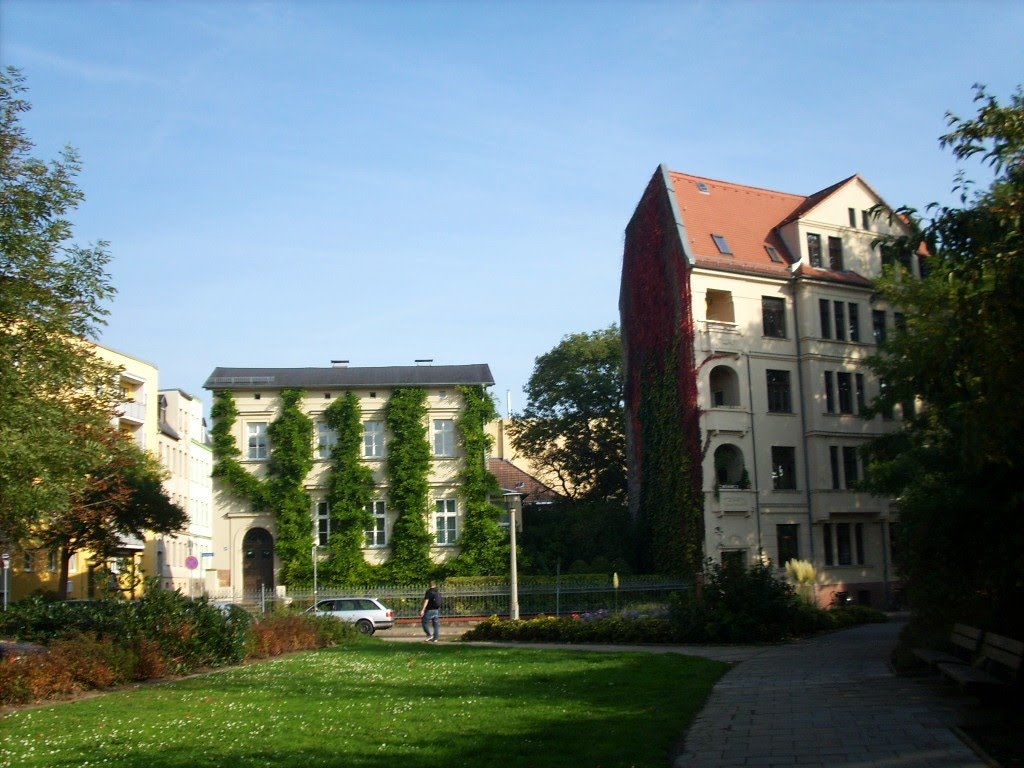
x: 365, y: 627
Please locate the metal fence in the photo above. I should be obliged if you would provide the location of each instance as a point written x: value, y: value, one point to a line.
x: 552, y: 597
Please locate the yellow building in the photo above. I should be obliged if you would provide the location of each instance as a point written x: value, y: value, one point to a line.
x: 37, y: 571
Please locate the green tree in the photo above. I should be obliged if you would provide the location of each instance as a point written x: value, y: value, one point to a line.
x: 56, y: 397
x: 956, y: 466
x: 291, y: 459
x: 572, y: 428
x: 349, y: 493
x: 408, y: 469
x: 484, y: 543
x: 123, y: 498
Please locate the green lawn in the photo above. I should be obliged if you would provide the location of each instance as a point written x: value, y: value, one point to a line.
x: 374, y: 704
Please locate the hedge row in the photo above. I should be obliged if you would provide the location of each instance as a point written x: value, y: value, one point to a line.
x: 104, y: 643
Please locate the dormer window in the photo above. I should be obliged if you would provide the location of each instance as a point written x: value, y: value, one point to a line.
x: 773, y: 254
x: 723, y: 246
x: 703, y: 188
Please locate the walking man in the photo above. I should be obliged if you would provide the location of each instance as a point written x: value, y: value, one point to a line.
x: 430, y: 613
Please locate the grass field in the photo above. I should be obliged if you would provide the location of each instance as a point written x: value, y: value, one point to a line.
x: 374, y: 705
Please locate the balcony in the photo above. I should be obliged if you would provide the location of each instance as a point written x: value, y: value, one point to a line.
x: 718, y: 335
x: 134, y: 411
x: 731, y: 500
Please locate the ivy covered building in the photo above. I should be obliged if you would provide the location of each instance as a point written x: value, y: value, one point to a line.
x: 747, y: 315
x: 381, y: 466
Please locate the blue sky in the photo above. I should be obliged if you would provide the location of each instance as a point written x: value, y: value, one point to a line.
x: 283, y: 184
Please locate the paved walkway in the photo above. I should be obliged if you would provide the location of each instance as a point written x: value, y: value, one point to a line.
x: 828, y: 701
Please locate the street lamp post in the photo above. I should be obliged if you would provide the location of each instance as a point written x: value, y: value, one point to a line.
x: 513, y: 502
x: 315, y: 548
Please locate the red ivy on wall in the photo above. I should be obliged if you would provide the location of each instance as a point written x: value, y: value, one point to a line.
x: 661, y: 387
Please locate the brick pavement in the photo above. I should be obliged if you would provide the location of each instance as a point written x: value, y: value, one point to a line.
x: 829, y: 701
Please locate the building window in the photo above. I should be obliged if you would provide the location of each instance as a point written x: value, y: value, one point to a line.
x: 734, y: 559
x: 839, y: 310
x: 865, y: 220
x: 722, y: 244
x: 783, y: 468
x: 718, y: 306
x: 326, y: 439
x: 814, y: 249
x: 835, y: 254
x: 833, y: 460
x: 825, y: 313
x: 323, y: 523
x: 851, y: 473
x: 30, y: 561
x: 878, y: 325
x: 373, y: 439
x: 779, y: 398
x: 844, y: 383
x: 257, y: 440
x: 899, y: 321
x: 830, y: 392
x: 444, y: 437
x: 853, y: 217
x: 377, y: 535
x: 844, y: 543
x: 51, y: 561
x: 773, y: 316
x: 853, y: 314
x: 773, y: 254
x: 445, y: 522
x: 787, y: 537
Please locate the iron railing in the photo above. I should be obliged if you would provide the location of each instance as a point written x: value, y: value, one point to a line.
x: 553, y: 597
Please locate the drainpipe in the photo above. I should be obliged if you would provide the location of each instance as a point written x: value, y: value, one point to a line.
x: 803, y: 417
x: 753, y: 447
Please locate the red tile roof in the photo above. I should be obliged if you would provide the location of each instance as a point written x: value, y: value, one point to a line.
x: 512, y: 478
x: 748, y: 218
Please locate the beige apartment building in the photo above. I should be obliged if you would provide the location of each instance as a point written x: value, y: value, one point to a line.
x: 245, y: 560
x: 770, y: 296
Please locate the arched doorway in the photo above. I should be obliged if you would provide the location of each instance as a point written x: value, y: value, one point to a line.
x: 257, y: 560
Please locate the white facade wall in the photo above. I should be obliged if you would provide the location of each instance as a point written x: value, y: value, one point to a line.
x: 186, y: 454
x: 733, y: 360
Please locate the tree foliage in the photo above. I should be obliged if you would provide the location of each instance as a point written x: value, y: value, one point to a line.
x: 408, y: 469
x: 572, y: 428
x: 485, y: 545
x: 56, y: 401
x: 956, y: 466
x: 123, y: 497
x: 349, y: 493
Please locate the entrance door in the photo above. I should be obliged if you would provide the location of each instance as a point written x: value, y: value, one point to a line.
x: 257, y: 561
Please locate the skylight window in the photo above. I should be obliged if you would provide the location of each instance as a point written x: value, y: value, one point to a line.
x: 773, y: 254
x: 723, y: 246
x: 703, y: 188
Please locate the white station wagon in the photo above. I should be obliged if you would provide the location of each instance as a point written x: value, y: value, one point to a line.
x: 367, y: 613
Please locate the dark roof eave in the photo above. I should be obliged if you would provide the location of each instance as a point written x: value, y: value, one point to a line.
x: 349, y: 378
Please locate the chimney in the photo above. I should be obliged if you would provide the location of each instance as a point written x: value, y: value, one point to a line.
x: 339, y: 363
x: 425, y: 361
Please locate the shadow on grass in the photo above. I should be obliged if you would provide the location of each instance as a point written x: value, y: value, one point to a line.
x: 512, y: 707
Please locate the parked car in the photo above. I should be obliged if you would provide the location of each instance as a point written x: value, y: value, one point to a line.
x: 367, y: 613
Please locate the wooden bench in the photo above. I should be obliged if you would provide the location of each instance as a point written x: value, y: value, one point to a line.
x: 994, y: 670
x: 965, y: 642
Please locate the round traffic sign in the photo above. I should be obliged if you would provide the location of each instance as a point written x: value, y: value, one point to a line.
x: 191, y: 562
